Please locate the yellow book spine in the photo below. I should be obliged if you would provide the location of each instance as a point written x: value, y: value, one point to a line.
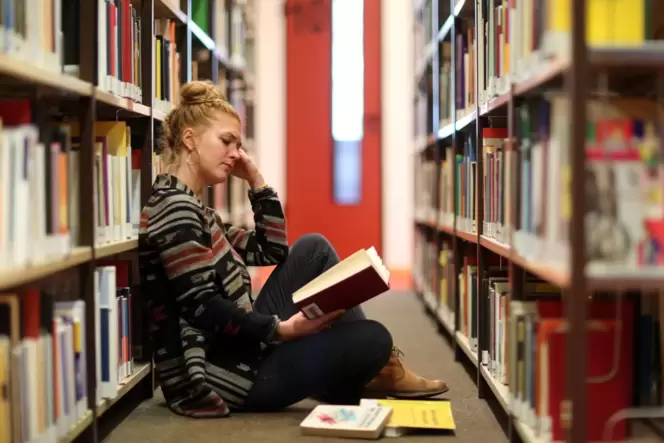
x: 157, y: 69
x: 78, y: 343
x: 617, y: 22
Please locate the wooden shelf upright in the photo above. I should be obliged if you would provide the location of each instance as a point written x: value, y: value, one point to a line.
x: 99, y: 67
x: 539, y: 216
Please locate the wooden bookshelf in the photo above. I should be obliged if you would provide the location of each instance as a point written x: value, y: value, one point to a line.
x: 525, y: 134
x: 89, y: 100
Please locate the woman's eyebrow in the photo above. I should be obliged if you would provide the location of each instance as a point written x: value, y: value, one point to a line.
x: 232, y: 134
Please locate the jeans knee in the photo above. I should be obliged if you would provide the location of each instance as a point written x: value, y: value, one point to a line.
x: 313, y: 244
x: 375, y: 341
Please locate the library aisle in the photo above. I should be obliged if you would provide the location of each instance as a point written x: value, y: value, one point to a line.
x: 425, y: 351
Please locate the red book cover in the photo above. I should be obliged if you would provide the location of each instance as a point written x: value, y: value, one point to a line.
x: 111, y: 37
x: 127, y: 26
x: 345, y: 294
x: 550, y: 377
x: 608, y: 394
x: 31, y: 313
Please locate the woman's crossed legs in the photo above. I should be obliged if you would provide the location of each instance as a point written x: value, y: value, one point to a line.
x: 334, y: 365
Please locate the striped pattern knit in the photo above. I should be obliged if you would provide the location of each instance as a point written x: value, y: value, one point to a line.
x: 207, y: 341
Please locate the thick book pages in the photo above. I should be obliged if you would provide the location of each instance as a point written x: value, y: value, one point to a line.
x: 365, y: 422
x: 349, y: 283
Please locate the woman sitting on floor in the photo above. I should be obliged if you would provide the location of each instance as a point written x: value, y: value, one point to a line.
x: 215, y: 349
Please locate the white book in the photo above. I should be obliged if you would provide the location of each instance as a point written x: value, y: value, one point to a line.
x: 367, y: 422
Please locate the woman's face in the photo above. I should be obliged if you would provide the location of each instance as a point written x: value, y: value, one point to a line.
x: 218, y: 145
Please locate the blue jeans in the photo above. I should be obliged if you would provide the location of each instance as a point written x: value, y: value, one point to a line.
x: 333, y: 365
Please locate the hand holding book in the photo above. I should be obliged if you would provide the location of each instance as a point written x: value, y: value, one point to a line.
x: 347, y: 284
x: 299, y: 325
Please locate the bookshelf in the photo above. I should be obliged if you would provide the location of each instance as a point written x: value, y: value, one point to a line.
x: 84, y: 89
x: 538, y: 208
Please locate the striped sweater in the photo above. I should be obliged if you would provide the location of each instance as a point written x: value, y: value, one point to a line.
x: 207, y: 341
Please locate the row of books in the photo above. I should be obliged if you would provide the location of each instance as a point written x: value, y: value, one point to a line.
x: 40, y: 183
x: 231, y: 202
x: 465, y: 96
x: 43, y: 364
x: 227, y: 23
x: 624, y: 181
x: 49, y: 37
x: 119, y: 40
x: 52, y: 177
x: 445, y: 84
x: 167, y: 74
x: 521, y: 344
x: 624, y: 178
x: 37, y: 192
x: 423, y: 191
x: 520, y: 36
x: 37, y: 37
x: 425, y: 259
x: 117, y: 186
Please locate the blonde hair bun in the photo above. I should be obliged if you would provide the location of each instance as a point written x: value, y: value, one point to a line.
x: 199, y: 101
x: 201, y: 92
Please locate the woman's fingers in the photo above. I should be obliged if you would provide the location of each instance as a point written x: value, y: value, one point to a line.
x: 328, y: 318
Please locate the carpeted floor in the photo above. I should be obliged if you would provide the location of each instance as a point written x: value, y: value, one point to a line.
x: 425, y: 351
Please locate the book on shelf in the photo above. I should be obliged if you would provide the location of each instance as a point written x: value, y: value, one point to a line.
x: 38, y: 183
x: 43, y: 363
x: 447, y: 299
x: 115, y: 181
x: 167, y: 74
x: 496, y: 181
x: 465, y: 48
x: 625, y: 215
x: 113, y: 319
x: 538, y: 345
x: 356, y: 279
x: 36, y: 37
x: 119, y: 48
x: 425, y: 260
x: 445, y: 84
x: 365, y: 422
x: 409, y: 416
x: 521, y: 37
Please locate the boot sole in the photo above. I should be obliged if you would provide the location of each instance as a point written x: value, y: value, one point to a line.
x: 408, y: 395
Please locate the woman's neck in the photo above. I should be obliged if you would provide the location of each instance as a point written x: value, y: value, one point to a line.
x: 189, y: 178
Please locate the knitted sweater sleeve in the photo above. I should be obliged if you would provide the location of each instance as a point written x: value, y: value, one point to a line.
x: 189, y: 264
x: 267, y: 244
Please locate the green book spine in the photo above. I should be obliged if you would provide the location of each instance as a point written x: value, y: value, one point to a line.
x: 200, y: 11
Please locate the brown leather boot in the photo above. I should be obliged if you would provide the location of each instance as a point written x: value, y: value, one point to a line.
x: 397, y: 381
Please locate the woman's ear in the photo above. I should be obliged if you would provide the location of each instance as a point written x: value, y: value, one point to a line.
x: 188, y: 139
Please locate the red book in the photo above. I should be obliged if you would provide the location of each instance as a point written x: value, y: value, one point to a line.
x: 353, y: 281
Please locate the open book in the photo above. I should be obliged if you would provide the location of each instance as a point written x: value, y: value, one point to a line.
x: 349, y: 283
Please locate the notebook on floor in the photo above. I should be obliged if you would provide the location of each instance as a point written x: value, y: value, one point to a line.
x: 415, y: 415
x: 365, y: 422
